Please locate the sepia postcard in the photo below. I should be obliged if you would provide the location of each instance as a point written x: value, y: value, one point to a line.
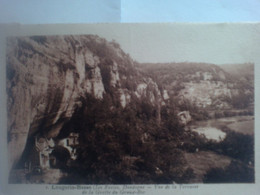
x: 130, y: 108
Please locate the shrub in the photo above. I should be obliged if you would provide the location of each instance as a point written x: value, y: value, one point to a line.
x: 236, y: 172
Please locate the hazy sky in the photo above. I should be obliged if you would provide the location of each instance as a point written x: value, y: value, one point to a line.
x: 206, y: 43
x: 215, y: 43
x: 212, y: 43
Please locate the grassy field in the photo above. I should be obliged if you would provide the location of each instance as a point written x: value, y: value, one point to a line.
x: 240, y: 124
x: 245, y: 127
x: 203, y: 161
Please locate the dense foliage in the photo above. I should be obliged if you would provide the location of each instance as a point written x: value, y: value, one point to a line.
x: 125, y: 145
x: 237, y: 146
x: 236, y: 172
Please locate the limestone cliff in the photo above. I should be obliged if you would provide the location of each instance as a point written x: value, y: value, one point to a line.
x: 206, y: 86
x: 47, y: 77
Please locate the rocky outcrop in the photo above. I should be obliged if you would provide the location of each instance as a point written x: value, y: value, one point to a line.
x: 184, y: 117
x: 206, y: 94
x: 206, y: 86
x: 47, y: 78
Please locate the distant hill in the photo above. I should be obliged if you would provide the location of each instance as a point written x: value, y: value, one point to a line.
x: 205, y: 85
x: 246, y: 69
x: 242, y: 72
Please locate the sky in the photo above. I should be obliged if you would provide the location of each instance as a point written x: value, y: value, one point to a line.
x: 214, y: 44
x: 222, y: 43
x: 211, y: 43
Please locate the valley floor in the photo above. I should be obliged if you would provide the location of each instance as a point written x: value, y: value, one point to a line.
x: 203, y: 161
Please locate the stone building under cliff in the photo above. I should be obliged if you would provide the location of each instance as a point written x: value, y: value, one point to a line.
x: 40, y: 156
x: 70, y: 143
x: 46, y: 154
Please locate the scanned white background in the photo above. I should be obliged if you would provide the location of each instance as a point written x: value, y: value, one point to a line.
x: 130, y: 36
x: 241, y: 43
x: 89, y: 11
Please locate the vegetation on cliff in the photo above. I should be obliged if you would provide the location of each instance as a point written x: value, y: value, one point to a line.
x: 126, y: 145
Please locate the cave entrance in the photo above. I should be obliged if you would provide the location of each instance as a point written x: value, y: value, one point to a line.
x: 59, y: 157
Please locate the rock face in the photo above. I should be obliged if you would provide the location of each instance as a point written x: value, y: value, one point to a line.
x: 48, y: 76
x: 205, y: 86
x: 206, y: 94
